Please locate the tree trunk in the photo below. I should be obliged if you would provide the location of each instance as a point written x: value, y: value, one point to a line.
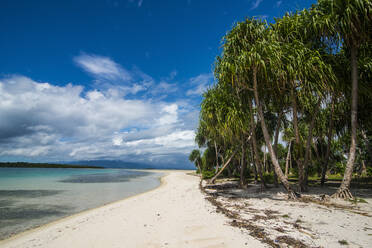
x: 274, y: 160
x: 287, y: 159
x: 254, y: 164
x: 369, y: 149
x: 230, y: 172
x: 344, y: 189
x: 276, y: 139
x: 298, y: 147
x: 328, y: 151
x: 223, y: 167
x: 254, y: 143
x: 215, y: 148
x: 264, y: 164
x: 198, y: 166
x: 243, y: 165
x: 308, y: 146
x: 364, y: 169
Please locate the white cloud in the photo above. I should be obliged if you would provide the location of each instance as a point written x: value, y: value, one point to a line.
x: 49, y: 122
x: 278, y: 3
x: 102, y: 67
x: 177, y: 139
x: 255, y: 4
x: 170, y: 115
x: 200, y: 84
x: 110, y: 76
x: 163, y: 88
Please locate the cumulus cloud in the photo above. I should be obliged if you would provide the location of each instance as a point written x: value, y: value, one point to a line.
x: 123, y: 115
x: 48, y: 122
x: 177, y: 139
x: 200, y: 84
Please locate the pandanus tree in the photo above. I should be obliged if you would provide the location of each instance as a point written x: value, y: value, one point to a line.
x: 251, y: 50
x: 294, y: 70
x: 239, y: 118
x: 196, y: 158
x: 306, y: 77
x: 229, y: 118
x: 209, y: 122
x: 351, y: 21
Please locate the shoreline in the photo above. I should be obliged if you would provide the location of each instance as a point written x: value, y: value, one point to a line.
x: 174, y: 214
x: 66, y: 218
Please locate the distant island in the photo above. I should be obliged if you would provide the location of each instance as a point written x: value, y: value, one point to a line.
x: 120, y: 164
x: 46, y: 165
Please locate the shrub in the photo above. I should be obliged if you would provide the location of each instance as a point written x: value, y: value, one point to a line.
x: 369, y: 171
x: 268, y: 177
x: 207, y: 174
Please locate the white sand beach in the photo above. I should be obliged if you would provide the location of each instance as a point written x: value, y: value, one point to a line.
x: 173, y: 215
x: 177, y: 214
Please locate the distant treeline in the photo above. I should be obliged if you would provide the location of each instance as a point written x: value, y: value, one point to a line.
x: 45, y: 165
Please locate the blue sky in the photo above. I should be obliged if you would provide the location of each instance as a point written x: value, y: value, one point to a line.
x: 111, y: 79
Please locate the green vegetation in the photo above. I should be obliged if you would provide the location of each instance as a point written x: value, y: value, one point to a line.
x: 207, y: 174
x: 294, y: 78
x: 45, y: 165
x: 343, y: 242
x: 358, y: 200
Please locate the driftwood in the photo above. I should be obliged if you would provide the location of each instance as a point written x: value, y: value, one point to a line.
x: 223, y: 167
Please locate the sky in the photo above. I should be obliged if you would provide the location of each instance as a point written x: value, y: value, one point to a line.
x: 111, y: 79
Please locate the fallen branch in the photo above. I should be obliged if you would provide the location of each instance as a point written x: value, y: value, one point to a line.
x: 223, y: 167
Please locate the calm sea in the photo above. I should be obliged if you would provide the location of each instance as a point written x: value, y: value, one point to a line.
x: 30, y: 197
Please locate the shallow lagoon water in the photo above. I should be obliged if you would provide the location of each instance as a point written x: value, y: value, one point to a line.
x: 30, y: 197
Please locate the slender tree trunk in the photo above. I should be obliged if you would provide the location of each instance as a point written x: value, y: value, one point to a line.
x: 264, y: 164
x: 222, y: 158
x: 287, y: 159
x: 369, y: 148
x: 253, y: 162
x: 198, y: 166
x: 276, y: 139
x: 344, y: 189
x: 243, y: 165
x: 364, y: 169
x: 274, y: 160
x: 215, y: 148
x: 230, y: 171
x: 319, y: 159
x: 328, y: 151
x: 223, y: 167
x: 308, y: 145
x: 254, y: 143
x: 298, y: 147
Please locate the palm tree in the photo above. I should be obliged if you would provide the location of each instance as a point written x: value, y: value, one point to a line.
x: 352, y: 21
x: 196, y: 158
x: 307, y: 78
x: 250, y: 50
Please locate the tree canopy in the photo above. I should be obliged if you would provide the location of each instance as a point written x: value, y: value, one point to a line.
x: 296, y: 78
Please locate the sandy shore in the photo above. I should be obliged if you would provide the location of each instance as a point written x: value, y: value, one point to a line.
x: 173, y: 215
x: 270, y: 217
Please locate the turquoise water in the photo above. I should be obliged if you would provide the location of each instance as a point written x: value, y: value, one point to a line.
x: 30, y: 197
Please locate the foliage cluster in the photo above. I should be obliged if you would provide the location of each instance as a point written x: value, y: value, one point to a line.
x: 302, y: 78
